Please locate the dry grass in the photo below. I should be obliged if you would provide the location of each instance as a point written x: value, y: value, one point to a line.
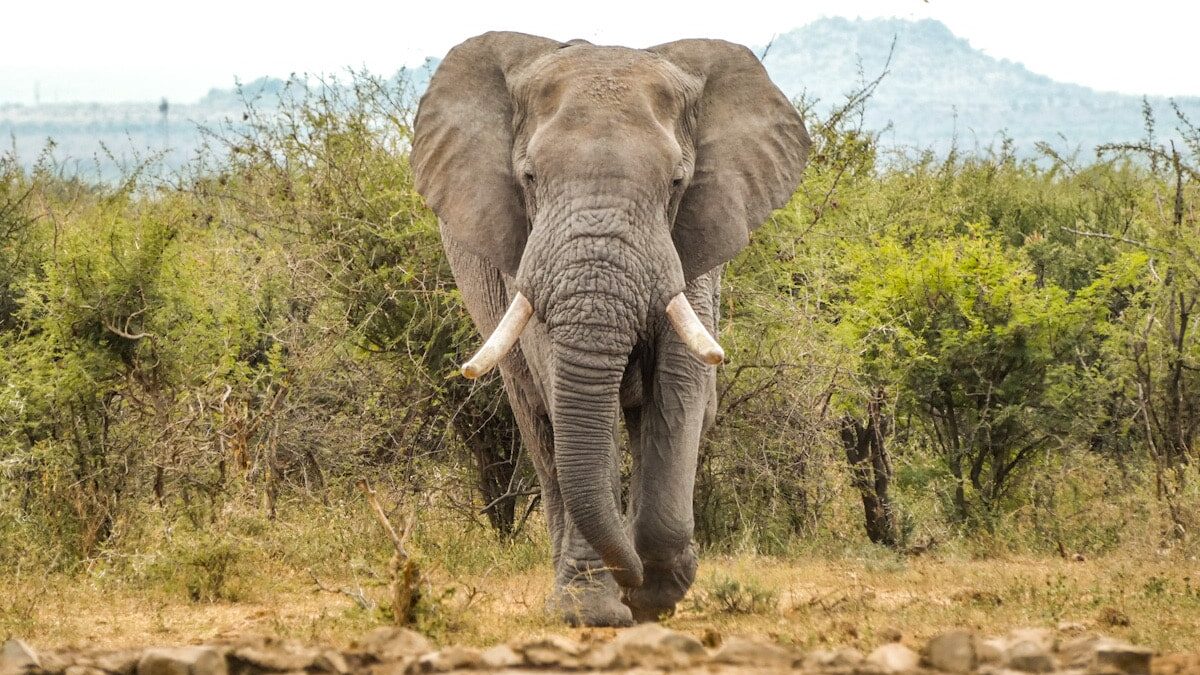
x: 845, y: 600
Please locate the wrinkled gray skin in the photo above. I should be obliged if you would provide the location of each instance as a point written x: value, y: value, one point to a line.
x: 600, y: 182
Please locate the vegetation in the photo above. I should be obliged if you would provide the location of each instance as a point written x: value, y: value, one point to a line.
x: 976, y: 355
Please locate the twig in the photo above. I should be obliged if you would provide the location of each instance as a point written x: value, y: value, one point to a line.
x: 381, y: 516
x: 406, y: 575
x: 358, y: 596
x: 1113, y: 237
x: 125, y: 334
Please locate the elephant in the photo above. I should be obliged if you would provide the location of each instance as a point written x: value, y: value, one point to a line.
x: 588, y: 198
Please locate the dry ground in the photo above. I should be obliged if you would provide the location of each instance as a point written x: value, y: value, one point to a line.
x: 856, y: 601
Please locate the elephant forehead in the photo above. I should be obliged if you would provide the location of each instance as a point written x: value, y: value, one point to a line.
x: 606, y: 78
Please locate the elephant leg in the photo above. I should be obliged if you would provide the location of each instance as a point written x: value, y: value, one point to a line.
x: 676, y: 409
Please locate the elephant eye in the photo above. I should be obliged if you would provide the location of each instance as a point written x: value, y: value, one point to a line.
x: 529, y: 177
x: 676, y: 182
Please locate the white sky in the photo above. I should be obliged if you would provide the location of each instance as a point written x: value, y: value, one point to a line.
x: 143, y: 49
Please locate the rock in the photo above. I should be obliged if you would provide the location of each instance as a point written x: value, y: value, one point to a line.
x: 953, y: 652
x: 58, y: 662
x: 17, y: 657
x: 500, y: 656
x: 280, y: 659
x: 182, y: 661
x: 449, y: 658
x: 990, y: 650
x: 846, y: 657
x: 1177, y: 664
x: 391, y: 643
x: 330, y: 661
x: 1029, y: 656
x: 740, y: 651
x: 653, y: 646
x: 1101, y: 654
x: 84, y: 670
x: 1121, y: 658
x: 894, y: 658
x: 1043, y: 637
x: 891, y: 634
x: 603, y: 657
x: 121, y: 663
x: 552, y: 650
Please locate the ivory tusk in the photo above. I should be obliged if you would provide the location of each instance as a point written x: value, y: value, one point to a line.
x: 501, y: 340
x: 697, y: 338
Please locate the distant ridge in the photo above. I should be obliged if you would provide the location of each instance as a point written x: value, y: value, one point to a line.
x: 939, y: 87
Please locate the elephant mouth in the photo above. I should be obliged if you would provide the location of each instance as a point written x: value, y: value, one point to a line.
x: 683, y: 319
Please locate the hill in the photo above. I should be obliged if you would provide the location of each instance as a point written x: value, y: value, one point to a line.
x: 939, y: 87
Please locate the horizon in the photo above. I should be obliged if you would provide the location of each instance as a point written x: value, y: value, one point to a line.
x: 280, y: 45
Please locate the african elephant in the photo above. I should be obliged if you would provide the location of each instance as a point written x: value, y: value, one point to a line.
x: 588, y: 198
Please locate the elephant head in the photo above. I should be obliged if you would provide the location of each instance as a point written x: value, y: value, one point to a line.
x: 601, y: 180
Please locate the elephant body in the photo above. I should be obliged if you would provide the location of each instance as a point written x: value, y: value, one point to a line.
x: 601, y: 184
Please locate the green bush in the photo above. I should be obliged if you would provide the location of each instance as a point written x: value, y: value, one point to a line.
x: 257, y: 334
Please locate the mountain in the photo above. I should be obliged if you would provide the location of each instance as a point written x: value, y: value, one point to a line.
x: 937, y: 87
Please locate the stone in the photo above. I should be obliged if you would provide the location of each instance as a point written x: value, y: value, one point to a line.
x: 1029, y: 656
x: 740, y: 651
x: 1101, y: 654
x: 654, y: 646
x: 894, y: 657
x: 280, y: 659
x: 449, y: 658
x: 58, y: 662
x: 952, y: 652
x: 182, y: 661
x: 846, y: 657
x: 1043, y: 637
x: 17, y: 657
x: 552, y: 650
x: 330, y: 661
x: 500, y: 656
x: 84, y: 670
x: 391, y: 643
x: 1078, y: 652
x: 603, y: 657
x: 1122, y: 659
x: 990, y: 650
x: 1177, y: 664
x: 120, y: 663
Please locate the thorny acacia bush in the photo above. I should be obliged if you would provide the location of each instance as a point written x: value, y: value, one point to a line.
x: 256, y: 335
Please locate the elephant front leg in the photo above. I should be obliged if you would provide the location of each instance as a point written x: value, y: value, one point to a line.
x: 675, y: 411
x: 585, y: 592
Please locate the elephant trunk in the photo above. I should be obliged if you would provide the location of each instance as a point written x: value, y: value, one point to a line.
x: 585, y: 392
x: 596, y: 276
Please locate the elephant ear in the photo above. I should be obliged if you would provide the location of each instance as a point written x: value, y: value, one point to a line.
x: 751, y: 147
x: 462, y: 145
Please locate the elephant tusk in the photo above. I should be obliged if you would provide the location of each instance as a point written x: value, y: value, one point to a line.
x: 501, y: 340
x: 697, y: 338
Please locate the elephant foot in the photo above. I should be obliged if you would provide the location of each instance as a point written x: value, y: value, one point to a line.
x: 586, y: 594
x: 666, y: 582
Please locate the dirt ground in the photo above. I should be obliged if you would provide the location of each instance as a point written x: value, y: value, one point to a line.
x: 807, y: 607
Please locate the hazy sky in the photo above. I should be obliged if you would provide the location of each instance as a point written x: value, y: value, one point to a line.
x: 145, y: 49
